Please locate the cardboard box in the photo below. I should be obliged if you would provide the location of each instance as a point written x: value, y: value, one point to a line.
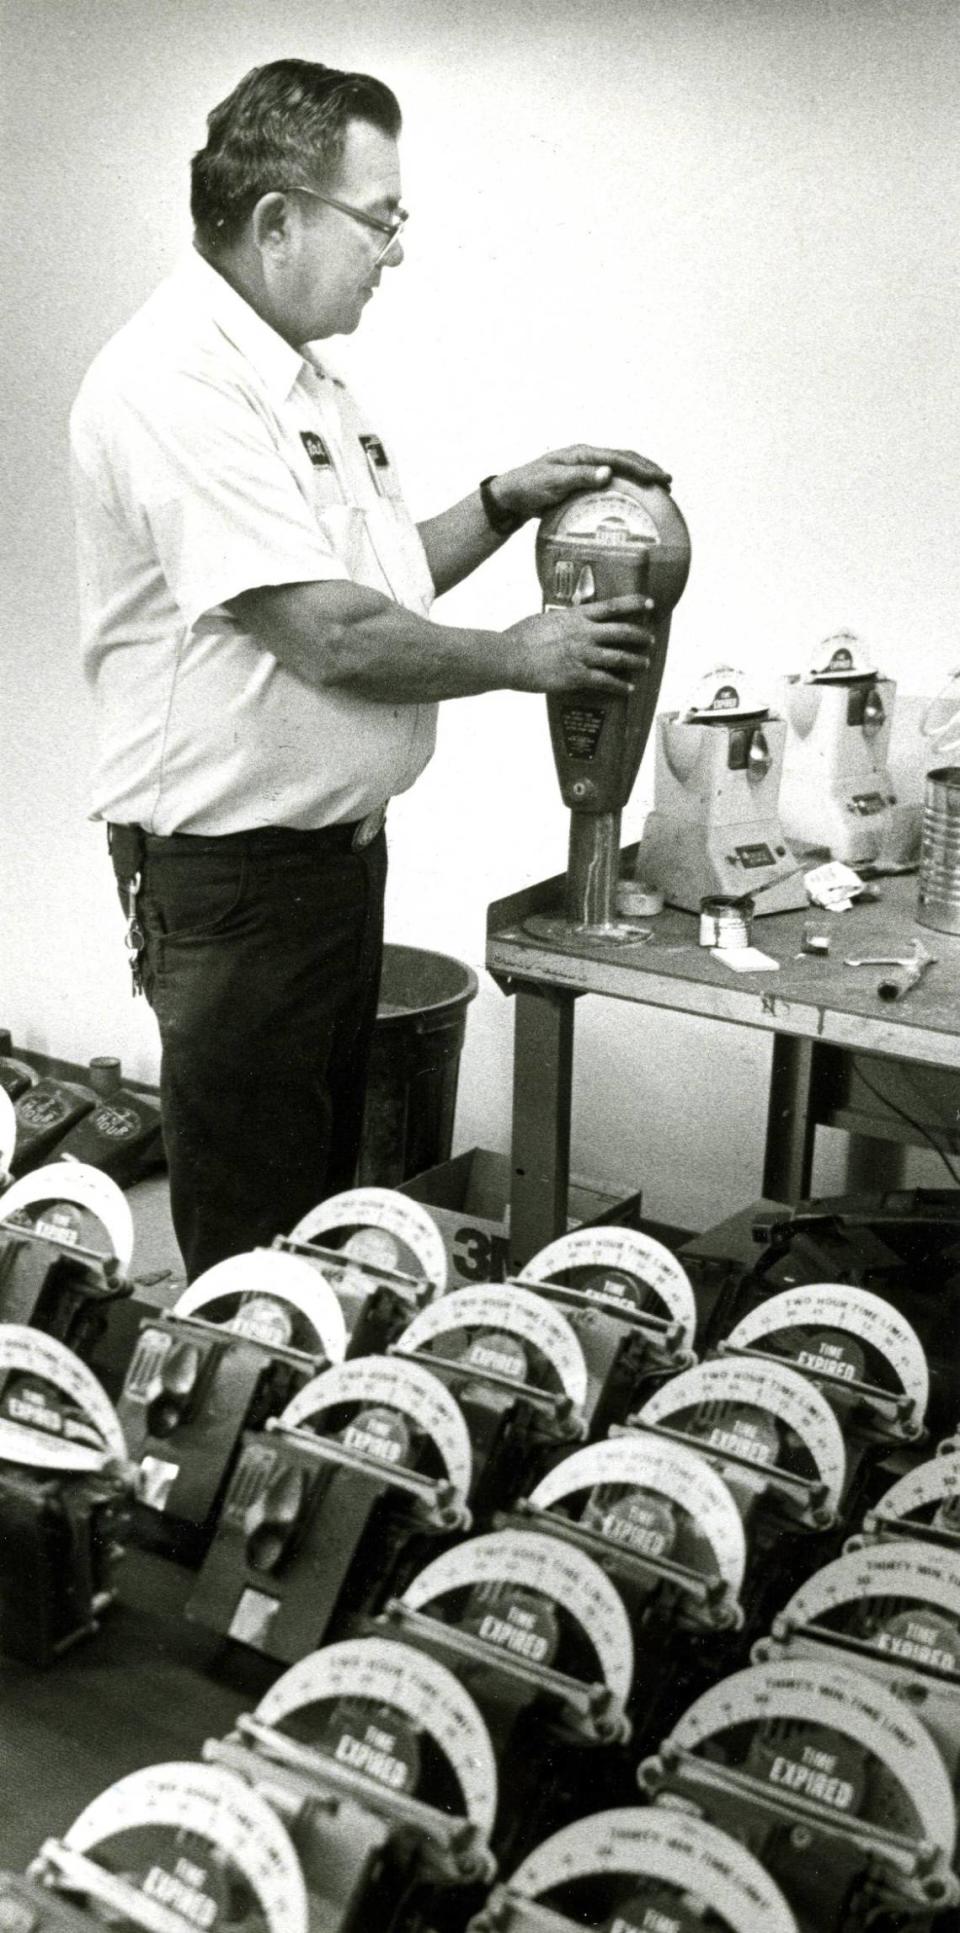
x: 468, y: 1198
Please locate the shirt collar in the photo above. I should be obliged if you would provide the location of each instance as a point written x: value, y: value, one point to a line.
x: 277, y: 363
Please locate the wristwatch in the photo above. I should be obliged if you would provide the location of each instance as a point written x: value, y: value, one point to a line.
x: 503, y: 522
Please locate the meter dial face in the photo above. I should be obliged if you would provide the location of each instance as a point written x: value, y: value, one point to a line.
x: 743, y: 1407
x: 266, y: 1275
x: 726, y: 692
x: 902, y: 1600
x: 626, y: 1468
x: 180, y: 1832
x: 55, y: 1414
x: 387, y: 1675
x: 844, y: 655
x: 608, y: 516
x: 44, y: 1198
x: 820, y: 1324
x: 919, y: 1499
x: 565, y: 1578
x: 634, y: 1264
x: 832, y: 1736
x: 8, y: 1137
x: 669, y: 1848
x: 509, y: 1313
x: 388, y: 1230
x: 403, y: 1389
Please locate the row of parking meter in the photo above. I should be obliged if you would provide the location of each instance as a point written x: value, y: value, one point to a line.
x: 573, y: 1629
x: 374, y: 1783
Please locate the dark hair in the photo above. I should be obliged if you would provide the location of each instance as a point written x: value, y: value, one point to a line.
x: 283, y: 123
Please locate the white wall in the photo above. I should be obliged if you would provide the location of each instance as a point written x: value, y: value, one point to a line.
x: 722, y: 231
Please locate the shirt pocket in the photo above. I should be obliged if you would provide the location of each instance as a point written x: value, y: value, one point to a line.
x: 343, y: 527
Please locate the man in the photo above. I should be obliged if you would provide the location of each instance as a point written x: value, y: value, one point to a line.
x: 255, y: 598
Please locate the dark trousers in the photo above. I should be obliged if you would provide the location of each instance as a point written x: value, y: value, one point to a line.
x: 261, y: 960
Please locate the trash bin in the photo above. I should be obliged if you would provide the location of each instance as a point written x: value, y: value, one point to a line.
x: 415, y: 1064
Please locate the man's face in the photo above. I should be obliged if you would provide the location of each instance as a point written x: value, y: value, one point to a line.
x: 330, y: 269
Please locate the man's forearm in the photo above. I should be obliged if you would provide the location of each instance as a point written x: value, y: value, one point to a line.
x: 458, y: 540
x: 343, y: 636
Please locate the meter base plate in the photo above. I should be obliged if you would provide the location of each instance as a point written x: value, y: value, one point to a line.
x: 558, y: 931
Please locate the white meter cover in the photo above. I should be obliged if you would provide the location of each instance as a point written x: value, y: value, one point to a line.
x: 725, y: 692
x: 564, y: 1576
x: 747, y: 1388
x: 75, y: 1432
x: 843, y: 655
x: 212, y: 1805
x: 406, y: 1230
x: 919, y: 1495
x: 903, y: 1575
x: 267, y: 1274
x: 850, y: 1311
x: 8, y: 1136
x: 86, y: 1188
x: 415, y: 1686
x: 663, y: 1469
x: 508, y: 1310
x: 829, y: 1699
x: 648, y: 1843
x: 389, y: 1383
x: 622, y: 1251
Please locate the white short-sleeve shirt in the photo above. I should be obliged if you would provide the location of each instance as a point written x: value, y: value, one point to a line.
x: 210, y: 458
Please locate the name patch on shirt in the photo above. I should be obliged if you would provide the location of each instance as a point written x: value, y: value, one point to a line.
x: 376, y: 454
x: 316, y: 450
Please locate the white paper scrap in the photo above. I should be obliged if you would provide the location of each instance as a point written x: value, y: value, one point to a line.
x: 834, y: 886
x: 745, y: 959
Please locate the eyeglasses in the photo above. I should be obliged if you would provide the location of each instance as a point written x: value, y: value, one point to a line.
x: 392, y: 229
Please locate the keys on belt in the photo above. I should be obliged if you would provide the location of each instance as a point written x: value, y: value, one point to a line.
x: 134, y: 936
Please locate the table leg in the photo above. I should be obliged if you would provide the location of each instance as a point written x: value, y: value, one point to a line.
x: 542, y: 1085
x: 791, y: 1120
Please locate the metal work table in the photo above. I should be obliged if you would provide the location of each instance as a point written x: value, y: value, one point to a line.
x: 833, y: 1038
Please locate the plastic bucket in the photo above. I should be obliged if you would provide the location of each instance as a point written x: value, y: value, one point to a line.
x: 939, y: 894
x: 415, y: 1064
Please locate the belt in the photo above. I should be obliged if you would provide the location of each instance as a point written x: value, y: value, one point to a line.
x: 129, y: 845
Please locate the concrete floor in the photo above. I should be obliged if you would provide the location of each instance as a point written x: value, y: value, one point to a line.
x: 154, y: 1243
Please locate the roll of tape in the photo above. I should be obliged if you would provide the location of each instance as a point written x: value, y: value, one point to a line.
x: 637, y: 900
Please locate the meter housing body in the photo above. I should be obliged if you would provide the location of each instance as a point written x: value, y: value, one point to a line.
x: 626, y: 539
x: 903, y: 1246
x: 714, y: 828
x: 52, y: 1285
x: 191, y: 1390
x: 384, y: 1771
x: 837, y: 796
x: 376, y: 1303
x: 306, y: 1544
x: 61, y: 1536
x: 332, y: 1504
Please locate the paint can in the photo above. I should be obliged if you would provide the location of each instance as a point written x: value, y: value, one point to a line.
x: 726, y: 922
x: 938, y: 902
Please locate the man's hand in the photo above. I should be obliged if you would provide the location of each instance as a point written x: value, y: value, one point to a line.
x: 597, y: 647
x: 536, y: 487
